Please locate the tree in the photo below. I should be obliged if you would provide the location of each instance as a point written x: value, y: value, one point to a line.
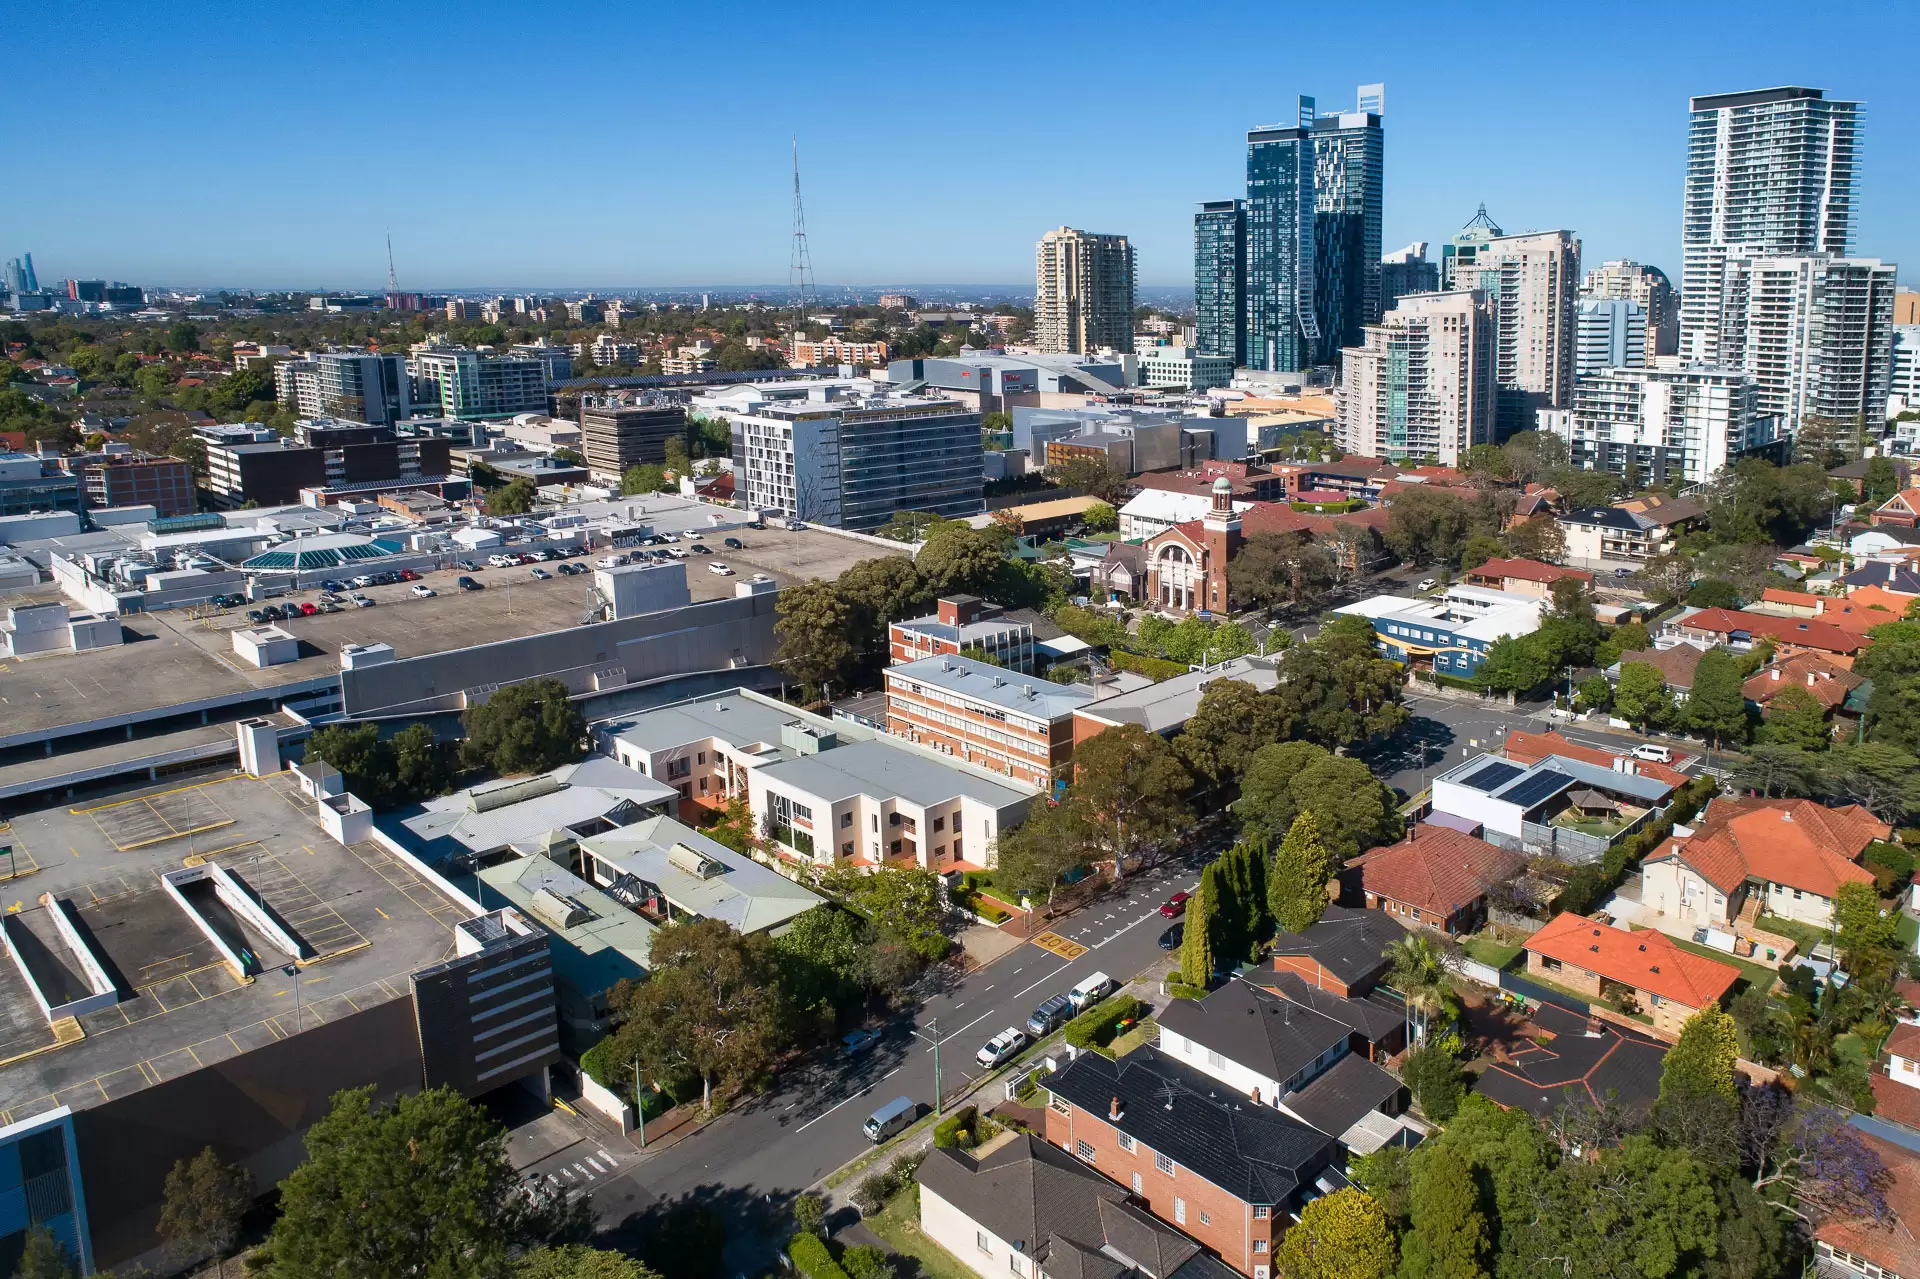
x: 405, y: 1189
x: 709, y: 1007
x: 1701, y: 1062
x: 1091, y: 475
x: 1880, y: 482
x: 1428, y: 526
x: 1449, y: 1236
x: 1130, y: 790
x: 1336, y: 688
x: 1865, y: 933
x: 1539, y: 538
x: 1196, y: 945
x: 183, y: 337
x: 815, y: 630
x: 1757, y: 503
x: 1641, y: 696
x: 1351, y: 807
x: 1032, y: 857
x: 1233, y: 720
x: 578, y: 1261
x: 1343, y: 1235
x: 1811, y: 1155
x: 676, y: 455
x: 644, y: 477
x: 1595, y: 693
x: 1795, y: 718
x: 202, y: 1204
x: 1415, y: 970
x: 1297, y: 879
x: 527, y: 727
x: 1881, y: 778
x: 1770, y: 768
x: 1513, y: 664
x: 1433, y: 1075
x: 958, y: 560
x: 1532, y: 455
x: 1480, y: 548
x: 1635, y: 1211
x: 1716, y: 706
x: 903, y: 902
x: 420, y: 763
x: 44, y: 1257
x: 1275, y: 569
x: 516, y: 497
x: 881, y: 591
x: 1100, y: 518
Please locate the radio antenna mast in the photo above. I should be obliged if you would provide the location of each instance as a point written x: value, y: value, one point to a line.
x: 393, y: 285
x: 800, y: 292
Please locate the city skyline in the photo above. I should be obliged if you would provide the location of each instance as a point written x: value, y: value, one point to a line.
x: 696, y: 190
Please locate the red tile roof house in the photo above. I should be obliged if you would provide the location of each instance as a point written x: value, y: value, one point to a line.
x: 1740, y: 631
x: 1862, y: 1248
x: 1524, y: 577
x: 1435, y: 878
x: 1600, y: 962
x: 1896, y: 1093
x: 1783, y: 857
x: 1676, y: 666
x: 1821, y: 678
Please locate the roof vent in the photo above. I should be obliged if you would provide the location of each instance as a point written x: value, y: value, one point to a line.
x: 1643, y: 945
x: 1594, y: 949
x: 1654, y: 968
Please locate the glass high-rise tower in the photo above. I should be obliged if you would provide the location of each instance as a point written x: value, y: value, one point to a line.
x: 1348, y: 150
x: 1219, y: 277
x: 1283, y: 327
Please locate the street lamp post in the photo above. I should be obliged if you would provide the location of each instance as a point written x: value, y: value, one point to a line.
x: 293, y: 971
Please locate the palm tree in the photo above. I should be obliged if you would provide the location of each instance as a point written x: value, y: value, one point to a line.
x: 1416, y: 972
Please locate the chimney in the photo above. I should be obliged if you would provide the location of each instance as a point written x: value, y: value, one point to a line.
x: 1809, y: 679
x: 1113, y: 1109
x: 1774, y: 674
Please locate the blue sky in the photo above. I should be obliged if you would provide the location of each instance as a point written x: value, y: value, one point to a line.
x: 579, y: 145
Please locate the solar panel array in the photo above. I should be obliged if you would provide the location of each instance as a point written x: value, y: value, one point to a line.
x: 1538, y: 787
x: 1492, y: 777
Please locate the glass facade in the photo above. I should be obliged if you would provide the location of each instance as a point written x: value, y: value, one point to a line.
x: 1347, y: 153
x: 1219, y: 273
x: 1283, y: 332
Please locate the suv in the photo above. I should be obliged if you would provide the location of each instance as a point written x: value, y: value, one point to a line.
x: 1001, y: 1047
x: 466, y: 583
x: 1049, y: 1016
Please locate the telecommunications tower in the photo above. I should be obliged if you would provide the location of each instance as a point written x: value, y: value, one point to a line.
x: 800, y: 292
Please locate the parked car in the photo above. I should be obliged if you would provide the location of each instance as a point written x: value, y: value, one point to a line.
x: 332, y: 587
x: 719, y: 570
x: 256, y: 615
x: 466, y: 583
x: 363, y: 581
x: 1175, y: 906
x: 423, y: 591
x: 1002, y: 1046
x: 1429, y: 584
x: 308, y: 608
x: 329, y: 606
x: 1653, y: 753
x: 1624, y: 572
x: 611, y: 561
x: 472, y: 566
x: 548, y: 553
x: 540, y: 574
x: 858, y: 1041
x: 735, y: 544
x: 1171, y: 939
x: 796, y: 525
x: 1050, y: 1015
x: 756, y: 525
x: 678, y: 552
x: 363, y: 601
x: 698, y: 549
x: 502, y: 561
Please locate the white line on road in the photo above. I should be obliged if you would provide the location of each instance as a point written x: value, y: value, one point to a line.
x: 609, y: 1158
x: 985, y: 991
x: 830, y: 1109
x: 594, y: 1164
x: 891, y: 1073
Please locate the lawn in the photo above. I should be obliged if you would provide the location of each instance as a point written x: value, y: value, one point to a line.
x: 1805, y: 936
x: 899, y: 1225
x: 1907, y: 928
x: 1756, y: 974
x: 1489, y: 952
x: 1145, y: 1031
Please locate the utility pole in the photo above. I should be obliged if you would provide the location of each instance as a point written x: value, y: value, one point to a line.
x: 935, y: 1039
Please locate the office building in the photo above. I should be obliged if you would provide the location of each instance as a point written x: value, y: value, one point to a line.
x: 329, y: 455
x: 20, y: 276
x: 1184, y: 367
x: 1609, y: 334
x: 475, y: 384
x: 1671, y: 424
x: 1465, y: 247
x: 989, y: 716
x: 87, y: 290
x: 851, y: 460
x: 1282, y: 319
x: 1532, y: 282
x: 1348, y: 154
x: 1422, y: 383
x: 1647, y: 285
x: 1817, y: 338
x: 1407, y: 271
x: 29, y: 485
x: 1770, y: 174
x: 125, y: 479
x: 556, y: 362
x: 1450, y: 633
x: 1083, y: 292
x: 617, y: 434
x: 1219, y: 279
x: 365, y: 388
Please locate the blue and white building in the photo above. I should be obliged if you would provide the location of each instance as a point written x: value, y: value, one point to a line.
x: 40, y: 1187
x: 1449, y: 633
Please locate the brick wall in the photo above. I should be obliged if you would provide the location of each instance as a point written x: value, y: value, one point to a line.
x: 1309, y: 969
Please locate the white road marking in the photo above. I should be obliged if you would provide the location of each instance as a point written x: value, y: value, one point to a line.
x: 830, y: 1109
x: 595, y: 1164
x: 891, y: 1073
x: 611, y: 1161
x: 985, y: 991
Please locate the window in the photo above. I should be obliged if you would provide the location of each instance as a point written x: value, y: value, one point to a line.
x: 981, y: 1242
x: 703, y: 785
x: 846, y: 820
x: 1164, y: 1164
x: 1138, y: 1188
x: 1083, y: 1150
x: 893, y: 819
x: 701, y: 758
x: 1260, y: 1212
x: 939, y: 823
x: 1215, y: 1060
x: 1259, y: 1245
x: 1180, y: 1210
x: 876, y: 821
x: 846, y: 849
x: 1013, y: 1263
x: 1126, y: 1142
x: 1058, y: 1105
x: 1205, y: 1220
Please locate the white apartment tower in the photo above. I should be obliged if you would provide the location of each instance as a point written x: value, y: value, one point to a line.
x: 1532, y: 283
x: 1632, y: 281
x: 1670, y: 424
x: 1770, y: 174
x: 1611, y: 334
x: 1083, y: 292
x: 1817, y: 337
x: 1422, y: 383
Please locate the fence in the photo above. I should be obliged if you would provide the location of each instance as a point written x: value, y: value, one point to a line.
x: 1541, y: 994
x: 1474, y: 970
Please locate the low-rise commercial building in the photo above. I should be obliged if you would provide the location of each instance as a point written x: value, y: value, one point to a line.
x: 988, y: 716
x: 129, y: 479
x: 1184, y: 367
x: 1451, y: 633
x: 29, y: 485
x: 963, y: 624
x: 1164, y: 708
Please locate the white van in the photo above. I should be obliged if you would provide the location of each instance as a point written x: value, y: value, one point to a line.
x: 1653, y: 753
x: 889, y: 1119
x: 1091, y: 991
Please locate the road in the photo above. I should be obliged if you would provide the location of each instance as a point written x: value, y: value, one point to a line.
x: 749, y: 1163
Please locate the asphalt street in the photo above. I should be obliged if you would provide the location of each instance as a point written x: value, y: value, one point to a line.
x: 750, y: 1162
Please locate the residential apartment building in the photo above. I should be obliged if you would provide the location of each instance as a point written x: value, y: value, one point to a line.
x: 1463, y: 250
x: 1422, y: 384
x: 617, y: 433
x: 1219, y: 279
x: 1609, y: 334
x: 832, y: 351
x: 826, y: 792
x: 1348, y: 159
x: 1770, y: 174
x: 963, y: 624
x: 1605, y: 536
x: 1018, y: 727
x: 123, y: 479
x: 1407, y: 271
x: 556, y: 362
x: 1283, y: 326
x: 1626, y: 280
x: 1669, y: 424
x: 1817, y: 337
x: 1532, y: 282
x: 363, y: 387
x: 1083, y: 292
x: 1230, y: 1174
x: 852, y: 460
x: 474, y: 384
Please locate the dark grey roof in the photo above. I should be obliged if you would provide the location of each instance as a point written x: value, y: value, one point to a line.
x: 1893, y: 577
x: 1336, y: 1100
x: 1043, y: 627
x: 1362, y: 1016
x: 1055, y: 1208
x: 1253, y: 1152
x: 1580, y: 1064
x: 1255, y: 1028
x: 1348, y: 942
x: 1605, y: 517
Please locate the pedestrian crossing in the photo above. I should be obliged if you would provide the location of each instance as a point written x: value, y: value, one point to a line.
x: 575, y: 1173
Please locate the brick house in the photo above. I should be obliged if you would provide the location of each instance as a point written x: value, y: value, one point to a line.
x: 1436, y: 878
x: 1230, y: 1174
x: 1902, y: 510
x: 960, y: 623
x: 1861, y: 1248
x: 1739, y: 631
x: 1600, y: 962
x: 1343, y: 954
x: 1524, y: 577
x: 1784, y: 857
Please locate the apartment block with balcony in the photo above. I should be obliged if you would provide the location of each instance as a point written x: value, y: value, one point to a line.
x: 478, y: 384
x: 1019, y: 727
x: 377, y: 389
x: 963, y: 624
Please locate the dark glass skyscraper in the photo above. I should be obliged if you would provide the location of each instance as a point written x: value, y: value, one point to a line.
x: 1347, y: 153
x: 1219, y: 278
x: 1283, y: 328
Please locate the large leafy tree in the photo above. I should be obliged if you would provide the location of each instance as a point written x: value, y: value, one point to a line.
x: 1636, y: 1211
x: 1698, y: 1092
x: 1513, y: 664
x: 1795, y: 718
x: 516, y: 497
x: 1130, y: 791
x: 1297, y: 879
x: 958, y: 559
x: 1429, y: 526
x: 884, y: 589
x: 577, y: 1261
x: 1337, y: 690
x: 1033, y: 856
x: 523, y: 728
x: 1351, y: 807
x: 817, y: 636
x: 903, y: 902
x: 1233, y: 720
x: 1343, y: 1235
x: 1276, y: 569
x: 1880, y: 777
x: 1641, y: 696
x: 1758, y: 503
x: 710, y: 1007
x: 422, y: 1187
x: 1716, y: 706
x: 202, y: 1204
x: 1449, y: 1235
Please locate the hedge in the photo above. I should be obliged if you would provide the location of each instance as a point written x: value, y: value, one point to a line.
x: 1591, y: 883
x: 1153, y: 668
x: 946, y: 1133
x: 1180, y: 990
x: 1097, y: 1027
x: 811, y: 1258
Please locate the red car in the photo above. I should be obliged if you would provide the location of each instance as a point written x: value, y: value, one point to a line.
x: 408, y: 575
x: 309, y: 608
x: 1174, y: 906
